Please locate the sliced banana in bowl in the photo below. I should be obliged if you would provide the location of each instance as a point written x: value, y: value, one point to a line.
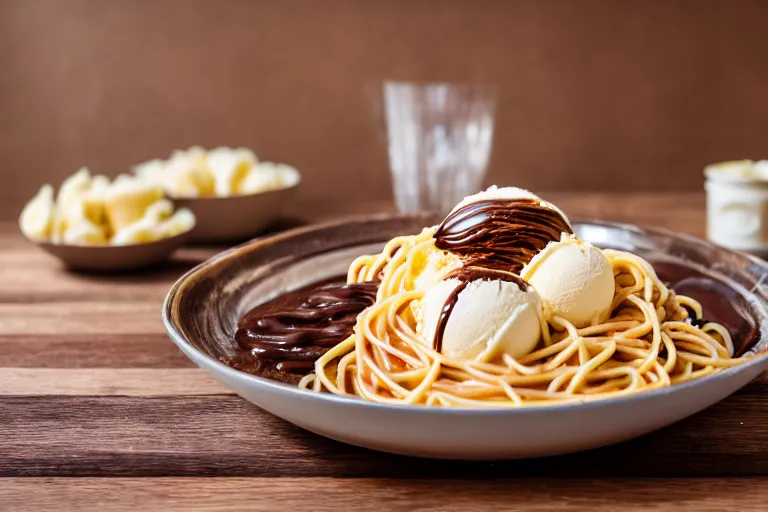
x: 37, y: 217
x: 96, y: 225
x: 232, y: 194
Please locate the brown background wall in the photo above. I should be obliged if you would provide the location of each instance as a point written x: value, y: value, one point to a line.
x: 594, y: 94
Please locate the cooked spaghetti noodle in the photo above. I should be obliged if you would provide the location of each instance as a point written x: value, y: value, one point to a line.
x: 645, y: 343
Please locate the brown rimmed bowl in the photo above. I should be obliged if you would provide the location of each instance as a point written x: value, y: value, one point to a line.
x: 202, y: 309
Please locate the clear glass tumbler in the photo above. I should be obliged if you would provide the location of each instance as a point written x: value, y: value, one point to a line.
x: 439, y: 142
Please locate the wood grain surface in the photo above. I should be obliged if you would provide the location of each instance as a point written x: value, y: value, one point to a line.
x: 270, y: 494
x: 99, y: 411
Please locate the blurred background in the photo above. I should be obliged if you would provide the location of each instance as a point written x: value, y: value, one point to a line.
x: 594, y: 95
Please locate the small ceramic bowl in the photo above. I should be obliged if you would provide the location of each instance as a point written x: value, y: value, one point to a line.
x: 114, y: 258
x: 202, y: 310
x: 236, y: 218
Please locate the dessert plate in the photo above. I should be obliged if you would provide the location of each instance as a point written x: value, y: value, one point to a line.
x: 202, y: 310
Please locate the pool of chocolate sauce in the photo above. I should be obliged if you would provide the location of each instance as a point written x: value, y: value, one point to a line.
x: 719, y: 301
x: 282, y: 338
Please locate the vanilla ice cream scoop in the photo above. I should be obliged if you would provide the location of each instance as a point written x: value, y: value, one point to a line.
x: 501, y: 228
x: 574, y: 279
x: 481, y: 314
x: 507, y: 194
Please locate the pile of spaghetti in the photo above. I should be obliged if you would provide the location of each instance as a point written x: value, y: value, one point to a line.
x: 647, y: 338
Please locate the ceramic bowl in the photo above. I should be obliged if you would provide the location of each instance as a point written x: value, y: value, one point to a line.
x: 236, y: 218
x: 114, y: 258
x: 202, y: 310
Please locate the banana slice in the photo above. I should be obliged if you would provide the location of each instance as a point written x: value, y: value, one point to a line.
x: 187, y: 174
x: 58, y: 228
x: 151, y: 170
x: 99, y: 184
x: 158, y: 211
x: 68, y: 202
x: 140, y: 232
x: 127, y: 199
x: 268, y: 176
x: 188, y: 182
x: 93, y: 207
x: 230, y: 167
x: 77, y: 212
x: 158, y: 222
x: 73, y: 188
x: 181, y: 221
x: 225, y: 153
x: 36, y: 219
x: 84, y: 232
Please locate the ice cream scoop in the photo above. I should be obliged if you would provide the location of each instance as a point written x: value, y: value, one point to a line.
x: 574, y: 279
x: 501, y: 228
x: 481, y: 314
x: 506, y: 194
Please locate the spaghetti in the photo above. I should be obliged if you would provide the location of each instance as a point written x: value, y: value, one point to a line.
x: 652, y: 338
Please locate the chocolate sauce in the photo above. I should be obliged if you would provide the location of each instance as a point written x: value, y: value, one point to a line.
x: 283, y: 338
x: 503, y: 234
x: 693, y: 319
x: 465, y: 275
x: 719, y: 301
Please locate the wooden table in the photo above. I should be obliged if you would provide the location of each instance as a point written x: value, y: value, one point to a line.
x: 91, y: 387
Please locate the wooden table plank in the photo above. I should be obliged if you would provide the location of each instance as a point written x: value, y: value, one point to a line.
x: 83, y: 316
x: 224, y: 435
x: 333, y: 494
x: 105, y: 350
x: 107, y: 382
x: 43, y: 281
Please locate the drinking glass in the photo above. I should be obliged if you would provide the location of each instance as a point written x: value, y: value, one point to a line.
x: 439, y: 139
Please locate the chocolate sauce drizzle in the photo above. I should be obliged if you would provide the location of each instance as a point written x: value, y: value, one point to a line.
x: 692, y: 319
x: 292, y: 339
x: 503, y: 234
x: 465, y: 275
